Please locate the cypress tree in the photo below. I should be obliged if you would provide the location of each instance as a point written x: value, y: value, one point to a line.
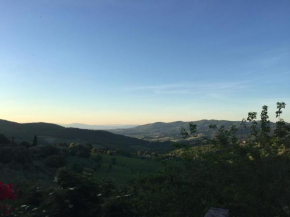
x: 34, y: 141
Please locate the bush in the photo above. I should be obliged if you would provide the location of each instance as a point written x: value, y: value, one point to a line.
x: 76, y: 197
x: 14, y: 155
x: 77, y: 167
x: 83, y: 151
x: 117, y: 207
x: 55, y: 161
x: 43, y: 151
x: 25, y: 144
x: 4, y: 139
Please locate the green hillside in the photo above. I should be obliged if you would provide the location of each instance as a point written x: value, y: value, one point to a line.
x: 171, y: 130
x: 161, y: 131
x: 52, y: 133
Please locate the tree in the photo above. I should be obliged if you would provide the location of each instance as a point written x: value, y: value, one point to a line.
x: 55, y: 161
x: 4, y: 139
x: 34, y: 141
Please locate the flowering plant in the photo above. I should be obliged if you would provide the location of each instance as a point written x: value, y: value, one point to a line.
x: 7, y: 192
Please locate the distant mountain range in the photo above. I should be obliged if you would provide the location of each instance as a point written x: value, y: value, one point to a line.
x: 161, y: 131
x: 98, y: 127
x: 52, y: 133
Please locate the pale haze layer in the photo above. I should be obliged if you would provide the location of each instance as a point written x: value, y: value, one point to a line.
x: 137, y: 62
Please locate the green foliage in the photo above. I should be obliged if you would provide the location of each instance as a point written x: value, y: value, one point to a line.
x: 118, y: 207
x: 280, y: 106
x: 97, y: 158
x: 25, y: 144
x: 77, y: 167
x: 44, y: 151
x: 74, y: 195
x: 192, y: 130
x: 83, y: 151
x: 4, y: 139
x: 14, y: 154
x: 249, y: 178
x: 32, y: 195
x: 55, y: 161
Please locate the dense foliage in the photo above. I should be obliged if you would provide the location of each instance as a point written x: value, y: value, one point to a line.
x: 250, y: 177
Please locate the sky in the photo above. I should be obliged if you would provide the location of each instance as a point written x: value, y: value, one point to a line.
x: 142, y: 61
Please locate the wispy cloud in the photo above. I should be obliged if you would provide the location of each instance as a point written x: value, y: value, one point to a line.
x: 271, y: 58
x: 216, y: 90
x: 188, y: 88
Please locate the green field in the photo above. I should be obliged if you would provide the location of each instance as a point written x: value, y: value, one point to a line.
x: 125, y: 169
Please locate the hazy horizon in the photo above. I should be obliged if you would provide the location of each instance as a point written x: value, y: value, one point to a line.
x: 138, y: 62
x: 123, y: 125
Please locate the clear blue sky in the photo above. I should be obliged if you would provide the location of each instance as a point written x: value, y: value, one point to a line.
x: 141, y: 61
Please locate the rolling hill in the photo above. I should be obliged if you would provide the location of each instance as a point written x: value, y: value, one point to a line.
x: 52, y: 133
x: 161, y: 131
x: 97, y: 127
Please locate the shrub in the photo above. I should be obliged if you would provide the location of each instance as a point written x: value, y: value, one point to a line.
x: 117, y: 207
x: 76, y: 197
x: 77, y: 167
x: 25, y: 144
x: 14, y: 155
x: 83, y: 151
x: 4, y: 139
x: 55, y: 161
x: 43, y: 151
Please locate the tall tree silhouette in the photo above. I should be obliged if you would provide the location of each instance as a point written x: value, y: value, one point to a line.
x: 34, y: 141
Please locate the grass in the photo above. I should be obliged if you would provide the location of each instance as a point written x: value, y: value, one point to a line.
x: 125, y: 169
